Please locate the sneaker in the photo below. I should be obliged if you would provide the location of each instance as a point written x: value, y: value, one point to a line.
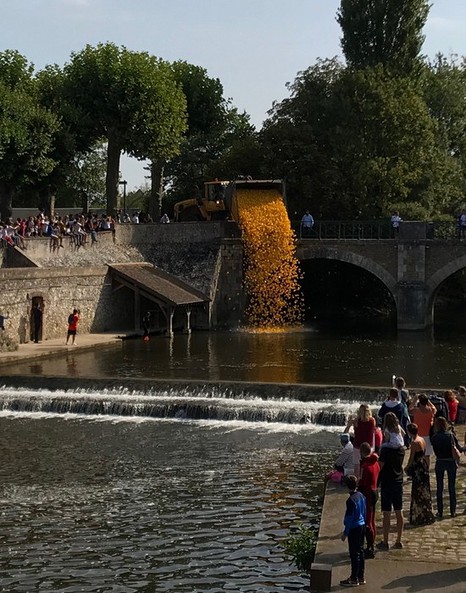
x: 382, y: 546
x: 397, y: 546
x: 350, y: 583
x: 369, y: 553
x: 362, y: 581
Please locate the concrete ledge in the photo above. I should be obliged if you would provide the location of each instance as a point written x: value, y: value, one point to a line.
x: 321, y: 577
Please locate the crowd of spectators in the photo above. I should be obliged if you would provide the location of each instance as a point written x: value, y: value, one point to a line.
x: 370, y: 463
x: 78, y: 228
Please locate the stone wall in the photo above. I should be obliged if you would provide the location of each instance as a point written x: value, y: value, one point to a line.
x: 60, y: 290
x: 71, y: 276
x: 229, y: 297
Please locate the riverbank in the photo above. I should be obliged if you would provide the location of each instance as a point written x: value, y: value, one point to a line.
x: 30, y: 350
x: 433, y: 557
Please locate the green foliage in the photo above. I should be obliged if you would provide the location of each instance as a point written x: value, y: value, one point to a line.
x: 214, y: 128
x: 133, y: 102
x: 354, y: 142
x: 15, y: 71
x: 84, y: 184
x: 300, y: 547
x: 383, y: 32
x: 27, y: 131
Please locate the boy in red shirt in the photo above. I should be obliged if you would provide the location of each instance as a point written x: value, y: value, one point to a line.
x: 72, y: 326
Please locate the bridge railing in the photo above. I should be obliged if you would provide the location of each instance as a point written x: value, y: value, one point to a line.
x: 372, y: 230
x: 344, y: 229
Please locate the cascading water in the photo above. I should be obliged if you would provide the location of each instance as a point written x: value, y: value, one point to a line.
x: 178, y: 404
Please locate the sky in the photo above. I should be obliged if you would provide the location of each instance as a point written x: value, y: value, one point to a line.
x: 254, y: 47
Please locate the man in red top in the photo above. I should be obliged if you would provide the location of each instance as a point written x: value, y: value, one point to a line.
x: 72, y: 326
x: 368, y: 486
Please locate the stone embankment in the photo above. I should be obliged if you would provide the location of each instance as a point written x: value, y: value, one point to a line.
x: 184, y: 256
x: 60, y: 278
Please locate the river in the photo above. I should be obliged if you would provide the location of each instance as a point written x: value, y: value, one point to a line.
x: 120, y: 491
x: 350, y: 355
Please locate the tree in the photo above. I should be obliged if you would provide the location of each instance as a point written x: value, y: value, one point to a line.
x: 296, y: 140
x: 71, y: 142
x: 387, y: 32
x: 214, y: 125
x: 133, y: 102
x: 353, y: 143
x: 84, y: 184
x: 27, y: 130
x: 444, y: 90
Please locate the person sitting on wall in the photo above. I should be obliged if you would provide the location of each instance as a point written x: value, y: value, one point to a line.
x: 165, y: 219
x: 344, y: 462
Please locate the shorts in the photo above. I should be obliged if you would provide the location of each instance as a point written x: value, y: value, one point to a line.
x: 391, y: 497
x: 429, y: 449
x: 71, y: 332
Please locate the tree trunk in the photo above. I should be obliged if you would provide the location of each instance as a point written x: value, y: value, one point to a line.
x: 6, y: 200
x: 156, y: 189
x: 113, y: 173
x: 51, y: 205
x: 84, y: 201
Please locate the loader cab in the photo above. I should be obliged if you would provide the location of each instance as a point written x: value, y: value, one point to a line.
x: 214, y: 191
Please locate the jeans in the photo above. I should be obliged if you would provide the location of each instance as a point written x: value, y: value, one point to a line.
x: 449, y: 466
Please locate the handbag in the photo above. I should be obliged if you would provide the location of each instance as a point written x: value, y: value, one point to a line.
x: 455, y: 453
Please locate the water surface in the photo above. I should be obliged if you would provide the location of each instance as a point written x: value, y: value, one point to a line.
x: 128, y: 505
x: 353, y: 356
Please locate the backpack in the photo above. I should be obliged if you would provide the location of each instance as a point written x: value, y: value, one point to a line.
x: 70, y: 319
x: 441, y: 405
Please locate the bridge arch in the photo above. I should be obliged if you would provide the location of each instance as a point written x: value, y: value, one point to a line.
x: 305, y: 253
x: 434, y: 283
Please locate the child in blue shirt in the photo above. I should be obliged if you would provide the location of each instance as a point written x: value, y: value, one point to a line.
x: 354, y: 522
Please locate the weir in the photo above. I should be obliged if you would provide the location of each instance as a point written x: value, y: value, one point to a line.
x: 239, y: 402
x: 177, y: 405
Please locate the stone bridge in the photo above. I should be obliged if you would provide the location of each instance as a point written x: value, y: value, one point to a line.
x: 411, y: 266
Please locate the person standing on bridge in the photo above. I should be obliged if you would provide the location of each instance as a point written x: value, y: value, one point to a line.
x: 307, y: 224
x: 395, y: 222
x: 462, y: 225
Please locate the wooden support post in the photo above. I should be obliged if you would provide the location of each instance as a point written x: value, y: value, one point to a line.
x: 187, y: 329
x: 170, y: 313
x: 137, y: 309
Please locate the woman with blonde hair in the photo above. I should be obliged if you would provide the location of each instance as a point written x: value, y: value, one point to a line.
x: 364, y: 430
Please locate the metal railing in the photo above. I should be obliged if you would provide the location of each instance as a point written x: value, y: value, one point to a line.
x: 372, y: 230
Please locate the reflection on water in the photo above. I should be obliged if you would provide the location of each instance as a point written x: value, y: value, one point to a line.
x: 144, y: 506
x: 326, y: 356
